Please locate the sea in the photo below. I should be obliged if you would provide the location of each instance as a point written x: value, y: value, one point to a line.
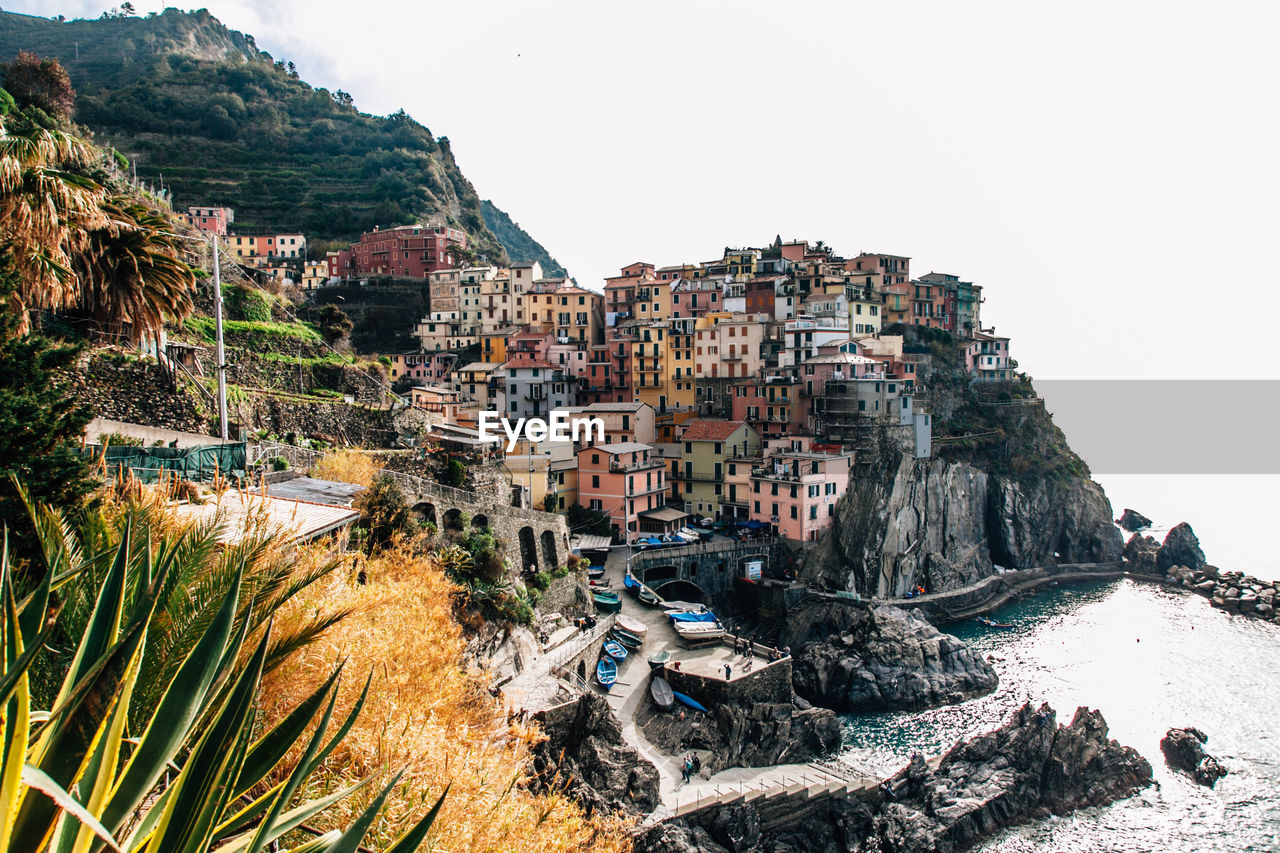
x: 1150, y: 658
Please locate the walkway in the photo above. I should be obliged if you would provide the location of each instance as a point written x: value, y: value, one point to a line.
x: 631, y: 691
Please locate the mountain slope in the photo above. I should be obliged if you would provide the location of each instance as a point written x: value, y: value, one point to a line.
x: 198, y: 107
x: 520, y: 246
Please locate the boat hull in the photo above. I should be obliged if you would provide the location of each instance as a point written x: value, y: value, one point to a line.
x: 632, y: 626
x: 663, y: 696
x: 689, y: 700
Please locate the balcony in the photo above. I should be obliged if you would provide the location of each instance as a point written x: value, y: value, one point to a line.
x: 616, y: 467
x: 698, y: 476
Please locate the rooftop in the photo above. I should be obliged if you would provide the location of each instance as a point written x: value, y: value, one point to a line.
x: 706, y: 429
x: 620, y: 447
x: 327, y: 492
x: 244, y: 514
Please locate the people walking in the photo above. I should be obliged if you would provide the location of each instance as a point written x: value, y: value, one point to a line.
x: 728, y: 672
x: 686, y: 769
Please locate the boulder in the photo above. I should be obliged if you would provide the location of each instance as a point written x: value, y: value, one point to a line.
x: 584, y: 754
x: 1180, y: 548
x: 886, y: 658
x: 1131, y: 521
x: 755, y: 735
x: 1141, y: 553
x: 1184, y: 751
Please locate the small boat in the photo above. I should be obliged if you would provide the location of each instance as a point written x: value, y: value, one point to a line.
x: 663, y: 696
x: 606, y: 672
x: 600, y: 584
x: 686, y: 616
x: 595, y: 571
x: 627, y: 639
x: 698, y: 631
x: 689, y: 700
x: 607, y: 602
x: 615, y: 650
x: 631, y: 583
x: 632, y: 626
x: 647, y: 596
x: 991, y: 623
x: 659, y: 660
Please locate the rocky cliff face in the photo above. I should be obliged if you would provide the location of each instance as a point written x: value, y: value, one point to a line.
x: 755, y: 735
x: 1029, y: 768
x: 882, y: 659
x: 584, y: 754
x: 942, y: 524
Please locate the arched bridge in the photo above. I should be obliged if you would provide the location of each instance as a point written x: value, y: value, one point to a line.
x: 537, y: 541
x: 696, y: 572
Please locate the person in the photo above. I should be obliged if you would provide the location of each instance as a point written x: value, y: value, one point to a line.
x: 697, y: 763
x: 686, y: 769
x: 728, y: 672
x: 887, y: 787
x: 676, y: 666
x: 775, y: 654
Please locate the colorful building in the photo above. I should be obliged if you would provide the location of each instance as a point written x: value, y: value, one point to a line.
x: 797, y: 491
x: 621, y: 480
x: 706, y: 447
x: 408, y: 251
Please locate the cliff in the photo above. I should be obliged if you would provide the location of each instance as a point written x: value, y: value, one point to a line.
x: 1002, y: 488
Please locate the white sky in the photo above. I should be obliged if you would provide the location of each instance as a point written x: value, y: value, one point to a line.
x: 1107, y: 171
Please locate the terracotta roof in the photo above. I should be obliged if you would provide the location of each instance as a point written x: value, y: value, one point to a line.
x: 515, y: 365
x: 708, y: 430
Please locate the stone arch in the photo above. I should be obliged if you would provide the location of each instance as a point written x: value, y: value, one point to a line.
x: 480, y: 522
x: 582, y: 670
x: 659, y: 574
x: 453, y: 519
x: 549, y: 557
x: 528, y: 550
x: 681, y: 590
x: 426, y: 512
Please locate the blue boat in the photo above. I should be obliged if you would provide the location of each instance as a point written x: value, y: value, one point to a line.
x: 631, y: 583
x: 690, y: 701
x: 606, y: 672
x: 705, y: 616
x: 614, y: 649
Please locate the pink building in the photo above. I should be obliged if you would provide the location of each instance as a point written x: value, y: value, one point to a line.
x: 622, y: 481
x: 210, y: 220
x: 797, y: 491
x: 987, y: 357
x: 695, y: 297
x: 772, y: 407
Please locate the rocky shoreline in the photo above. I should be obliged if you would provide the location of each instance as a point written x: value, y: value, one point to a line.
x: 882, y: 659
x: 1027, y: 769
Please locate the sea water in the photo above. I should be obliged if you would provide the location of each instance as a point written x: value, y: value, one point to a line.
x: 1150, y: 658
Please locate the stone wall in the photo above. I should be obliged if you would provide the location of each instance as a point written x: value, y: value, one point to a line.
x: 765, y: 683
x: 127, y: 388
x: 711, y: 566
x: 567, y: 595
x: 336, y: 422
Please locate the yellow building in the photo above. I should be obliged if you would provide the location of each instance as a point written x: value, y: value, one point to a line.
x: 707, y: 447
x: 493, y: 345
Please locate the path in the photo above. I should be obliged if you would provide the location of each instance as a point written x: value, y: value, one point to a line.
x: 631, y: 691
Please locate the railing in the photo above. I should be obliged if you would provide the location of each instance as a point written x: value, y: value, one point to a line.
x: 646, y: 465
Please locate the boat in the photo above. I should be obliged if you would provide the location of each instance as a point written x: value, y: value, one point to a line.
x: 606, y: 672
x: 663, y: 696
x: 689, y: 700
x: 600, y: 584
x: 632, y: 626
x: 607, y: 602
x: 631, y: 583
x: 991, y: 623
x: 699, y: 630
x: 615, y: 650
x: 686, y: 616
x: 659, y: 660
x: 625, y: 637
x: 595, y: 571
x: 647, y: 596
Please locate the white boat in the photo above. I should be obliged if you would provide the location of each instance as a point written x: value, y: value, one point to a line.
x: 630, y: 625
x: 699, y: 630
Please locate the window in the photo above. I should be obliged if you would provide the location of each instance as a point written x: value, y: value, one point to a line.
x: 813, y: 512
x: 795, y: 512
x: 595, y: 458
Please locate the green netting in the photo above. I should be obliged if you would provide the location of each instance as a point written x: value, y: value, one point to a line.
x: 200, y: 463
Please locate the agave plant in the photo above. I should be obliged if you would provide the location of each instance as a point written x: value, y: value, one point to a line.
x: 196, y: 776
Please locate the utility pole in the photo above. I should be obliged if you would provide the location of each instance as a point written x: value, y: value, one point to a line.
x: 222, y: 367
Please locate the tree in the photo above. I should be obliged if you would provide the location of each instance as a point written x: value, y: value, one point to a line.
x: 40, y: 424
x: 334, y: 324
x: 384, y: 512
x: 41, y: 83
x: 132, y: 277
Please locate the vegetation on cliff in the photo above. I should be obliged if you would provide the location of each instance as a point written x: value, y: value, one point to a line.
x: 199, y: 106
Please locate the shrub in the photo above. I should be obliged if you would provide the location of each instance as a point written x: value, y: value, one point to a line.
x: 279, y: 463
x: 454, y: 474
x: 384, y: 512
x: 119, y: 439
x: 348, y: 466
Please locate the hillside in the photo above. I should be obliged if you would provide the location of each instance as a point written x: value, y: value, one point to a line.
x: 199, y: 107
x: 520, y: 246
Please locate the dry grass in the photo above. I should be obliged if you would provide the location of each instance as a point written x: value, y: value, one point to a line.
x: 427, y: 716
x: 348, y: 466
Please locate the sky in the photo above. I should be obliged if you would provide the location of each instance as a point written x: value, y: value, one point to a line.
x: 1106, y: 171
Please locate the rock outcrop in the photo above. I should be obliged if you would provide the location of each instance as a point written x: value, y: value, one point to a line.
x: 943, y: 524
x: 1132, y: 521
x: 1027, y: 769
x: 1140, y: 552
x: 1180, y: 548
x: 755, y: 735
x: 882, y: 658
x: 1232, y: 591
x: 1184, y: 750
x: 584, y: 750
